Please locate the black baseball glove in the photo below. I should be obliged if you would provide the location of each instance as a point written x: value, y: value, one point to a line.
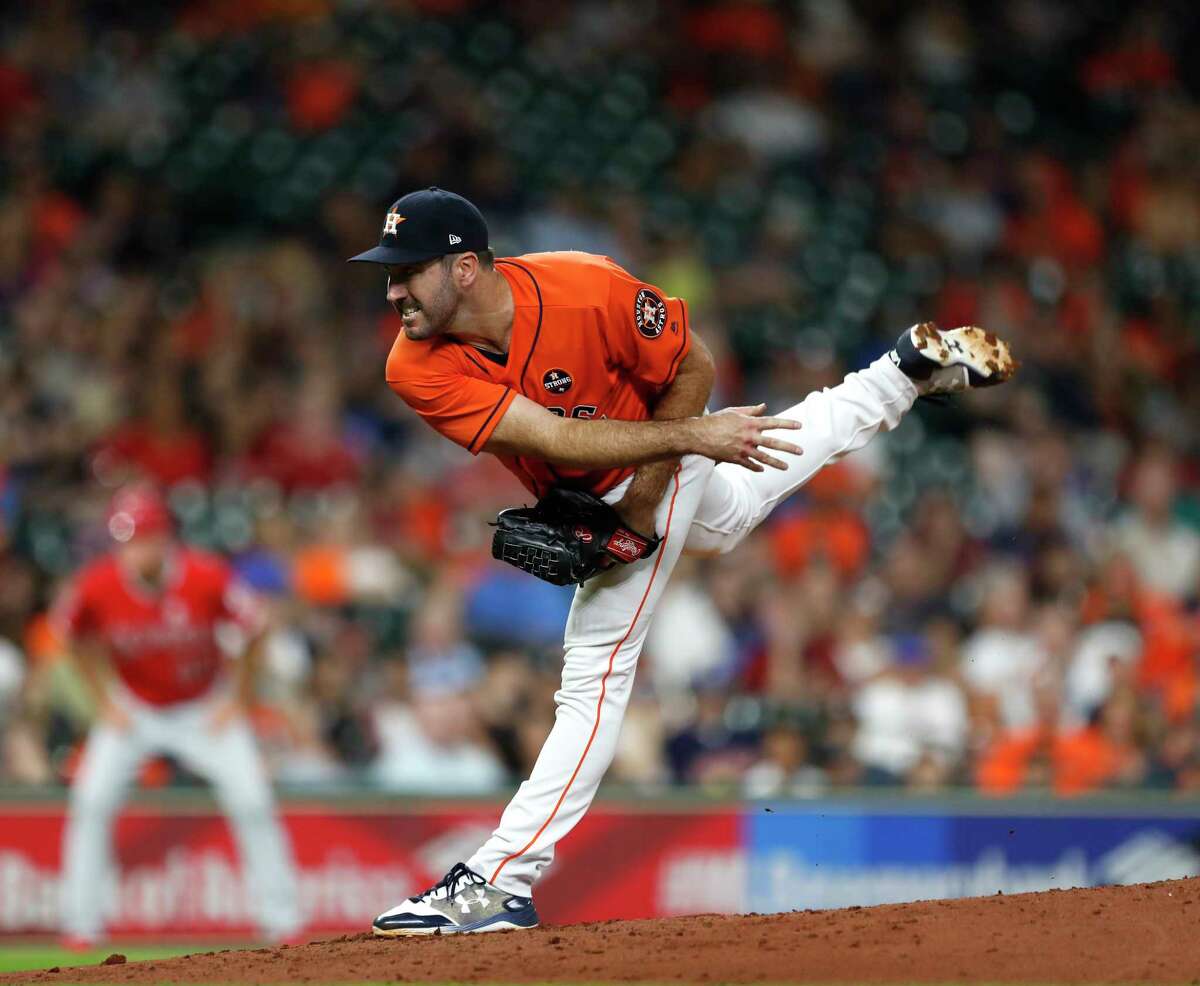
x: 568, y: 536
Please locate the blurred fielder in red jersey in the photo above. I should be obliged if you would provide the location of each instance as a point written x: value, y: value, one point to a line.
x: 141, y: 623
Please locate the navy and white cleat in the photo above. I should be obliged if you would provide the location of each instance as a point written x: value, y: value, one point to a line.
x: 947, y: 361
x: 462, y: 903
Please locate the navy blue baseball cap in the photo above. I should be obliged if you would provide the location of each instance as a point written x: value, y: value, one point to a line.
x: 426, y: 224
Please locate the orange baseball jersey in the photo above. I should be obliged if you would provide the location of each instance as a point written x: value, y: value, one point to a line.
x: 588, y: 340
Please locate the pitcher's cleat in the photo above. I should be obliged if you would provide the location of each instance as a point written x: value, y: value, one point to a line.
x: 463, y: 902
x: 947, y: 361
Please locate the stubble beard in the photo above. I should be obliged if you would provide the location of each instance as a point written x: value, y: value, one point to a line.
x: 436, y: 317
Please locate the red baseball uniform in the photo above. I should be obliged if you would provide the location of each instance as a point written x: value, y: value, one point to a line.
x: 163, y: 644
x: 589, y: 340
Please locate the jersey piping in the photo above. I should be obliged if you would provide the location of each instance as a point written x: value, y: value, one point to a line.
x: 537, y: 288
x: 682, y: 342
x: 537, y: 332
x: 476, y: 362
x: 505, y: 399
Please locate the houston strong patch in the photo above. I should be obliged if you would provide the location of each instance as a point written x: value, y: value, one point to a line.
x: 557, y: 381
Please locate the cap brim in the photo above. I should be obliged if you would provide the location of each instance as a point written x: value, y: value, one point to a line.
x: 391, y: 255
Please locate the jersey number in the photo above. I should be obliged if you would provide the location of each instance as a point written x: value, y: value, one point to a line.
x: 578, y: 411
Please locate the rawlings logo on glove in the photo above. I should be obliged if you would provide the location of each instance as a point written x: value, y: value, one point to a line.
x: 567, y: 537
x: 626, y: 546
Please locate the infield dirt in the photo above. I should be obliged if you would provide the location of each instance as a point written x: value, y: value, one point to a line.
x: 1146, y: 933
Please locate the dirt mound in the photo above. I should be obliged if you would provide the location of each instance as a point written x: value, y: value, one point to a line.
x: 1111, y: 934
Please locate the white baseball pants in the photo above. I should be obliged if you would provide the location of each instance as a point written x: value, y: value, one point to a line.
x: 228, y: 759
x: 708, y: 508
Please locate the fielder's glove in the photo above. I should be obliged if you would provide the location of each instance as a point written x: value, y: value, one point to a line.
x: 569, y: 536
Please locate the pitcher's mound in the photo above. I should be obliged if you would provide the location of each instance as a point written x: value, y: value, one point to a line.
x: 1148, y: 933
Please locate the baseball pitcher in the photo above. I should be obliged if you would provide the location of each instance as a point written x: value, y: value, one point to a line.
x: 591, y: 385
x: 141, y: 625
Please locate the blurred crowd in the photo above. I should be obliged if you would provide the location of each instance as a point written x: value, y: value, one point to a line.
x: 1003, y: 594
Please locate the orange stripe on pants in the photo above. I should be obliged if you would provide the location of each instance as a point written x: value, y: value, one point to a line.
x: 603, y: 683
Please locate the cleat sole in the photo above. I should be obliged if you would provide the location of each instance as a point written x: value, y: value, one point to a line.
x: 983, y: 353
x: 423, y: 932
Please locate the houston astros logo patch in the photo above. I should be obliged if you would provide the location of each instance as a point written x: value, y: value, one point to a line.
x: 393, y: 220
x: 557, y: 381
x: 649, y: 313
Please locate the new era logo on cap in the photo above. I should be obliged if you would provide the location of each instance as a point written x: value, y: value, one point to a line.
x: 455, y: 240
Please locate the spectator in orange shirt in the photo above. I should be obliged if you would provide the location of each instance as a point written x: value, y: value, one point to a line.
x: 1166, y: 663
x: 1102, y: 754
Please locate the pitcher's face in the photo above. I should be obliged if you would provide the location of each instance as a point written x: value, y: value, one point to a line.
x: 424, y: 296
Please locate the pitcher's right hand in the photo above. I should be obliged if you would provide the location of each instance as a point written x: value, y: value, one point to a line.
x: 739, y: 435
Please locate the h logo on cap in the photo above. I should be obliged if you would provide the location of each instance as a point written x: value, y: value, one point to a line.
x: 393, y: 220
